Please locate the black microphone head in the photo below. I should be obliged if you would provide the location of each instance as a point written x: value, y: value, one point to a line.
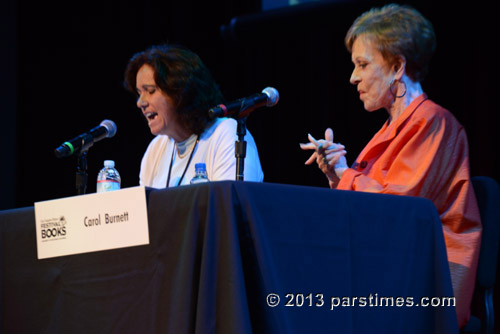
x: 63, y: 151
x: 110, y: 127
x: 273, y: 95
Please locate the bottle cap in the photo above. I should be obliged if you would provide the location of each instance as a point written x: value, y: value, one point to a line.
x: 200, y: 165
x: 109, y: 163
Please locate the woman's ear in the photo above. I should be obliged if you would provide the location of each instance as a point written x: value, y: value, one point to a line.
x: 399, y: 67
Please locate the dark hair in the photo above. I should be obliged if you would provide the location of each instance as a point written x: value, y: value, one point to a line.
x: 180, y: 74
x: 397, y: 30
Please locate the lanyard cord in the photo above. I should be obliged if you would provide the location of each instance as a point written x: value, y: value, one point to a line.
x: 185, y: 169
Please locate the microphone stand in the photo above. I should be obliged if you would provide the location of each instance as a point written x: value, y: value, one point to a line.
x: 81, y: 166
x: 81, y: 173
x: 240, y: 148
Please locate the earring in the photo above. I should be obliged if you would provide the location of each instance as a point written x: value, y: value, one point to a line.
x: 392, y: 90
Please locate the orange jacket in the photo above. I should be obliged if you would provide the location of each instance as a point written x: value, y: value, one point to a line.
x: 424, y: 153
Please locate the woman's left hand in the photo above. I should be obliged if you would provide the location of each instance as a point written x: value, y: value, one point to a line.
x: 329, y: 156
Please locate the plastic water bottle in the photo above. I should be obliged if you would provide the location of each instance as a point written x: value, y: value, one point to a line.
x: 200, y: 176
x: 108, y: 178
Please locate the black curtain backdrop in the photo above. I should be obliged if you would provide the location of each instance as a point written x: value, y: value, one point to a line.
x: 71, y: 57
x: 8, y: 90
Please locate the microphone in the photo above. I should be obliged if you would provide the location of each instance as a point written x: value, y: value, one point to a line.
x: 83, y: 142
x: 243, y: 107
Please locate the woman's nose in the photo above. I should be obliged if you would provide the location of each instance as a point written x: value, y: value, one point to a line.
x: 354, y: 78
x: 141, y: 102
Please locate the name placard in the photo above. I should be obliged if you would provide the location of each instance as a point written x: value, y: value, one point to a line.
x: 92, y: 222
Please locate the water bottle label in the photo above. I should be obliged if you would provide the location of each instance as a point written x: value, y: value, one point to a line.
x: 196, y: 180
x: 107, y: 185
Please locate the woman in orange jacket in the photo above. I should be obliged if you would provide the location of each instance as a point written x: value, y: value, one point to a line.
x: 421, y: 150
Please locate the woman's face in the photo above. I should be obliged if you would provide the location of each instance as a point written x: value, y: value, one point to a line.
x: 156, y: 106
x: 372, y: 75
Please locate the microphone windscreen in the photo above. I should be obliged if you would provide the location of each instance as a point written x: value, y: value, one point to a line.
x: 110, y: 127
x: 273, y: 95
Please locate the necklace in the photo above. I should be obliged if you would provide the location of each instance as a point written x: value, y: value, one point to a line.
x: 187, y: 165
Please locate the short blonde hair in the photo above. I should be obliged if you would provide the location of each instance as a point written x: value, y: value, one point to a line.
x: 397, y: 30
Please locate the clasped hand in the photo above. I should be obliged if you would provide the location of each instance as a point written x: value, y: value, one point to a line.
x: 329, y: 156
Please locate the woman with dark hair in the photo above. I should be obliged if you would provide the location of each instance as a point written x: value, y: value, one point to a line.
x: 174, y: 91
x: 421, y: 150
